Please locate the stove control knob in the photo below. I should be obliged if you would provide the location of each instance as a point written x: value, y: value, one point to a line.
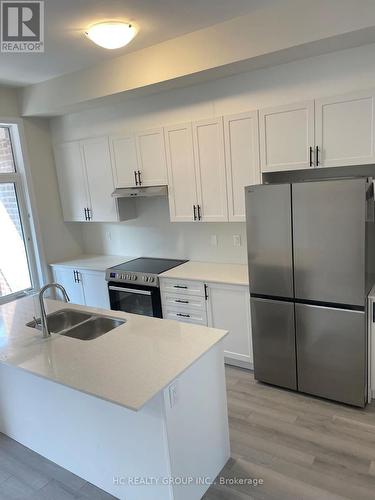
x: 135, y: 278
x: 152, y: 279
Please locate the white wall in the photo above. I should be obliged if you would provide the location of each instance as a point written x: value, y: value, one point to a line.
x: 152, y: 234
x: 59, y: 240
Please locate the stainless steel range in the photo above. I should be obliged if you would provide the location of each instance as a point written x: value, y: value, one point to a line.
x: 134, y: 285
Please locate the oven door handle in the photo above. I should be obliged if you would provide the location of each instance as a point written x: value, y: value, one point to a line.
x: 130, y: 290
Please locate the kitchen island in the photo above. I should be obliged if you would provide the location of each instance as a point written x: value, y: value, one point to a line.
x: 139, y: 411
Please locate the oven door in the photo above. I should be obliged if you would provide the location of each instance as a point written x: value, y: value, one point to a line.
x: 135, y: 299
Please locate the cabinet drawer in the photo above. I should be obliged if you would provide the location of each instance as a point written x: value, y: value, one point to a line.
x: 182, y: 287
x: 196, y: 317
x: 188, y: 302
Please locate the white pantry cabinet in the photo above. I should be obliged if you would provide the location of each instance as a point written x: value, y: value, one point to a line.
x: 182, y: 183
x: 84, y: 287
x: 287, y: 136
x: 228, y: 308
x: 84, y: 171
x: 345, y: 129
x: 208, y: 138
x: 241, y: 133
x: 213, y: 304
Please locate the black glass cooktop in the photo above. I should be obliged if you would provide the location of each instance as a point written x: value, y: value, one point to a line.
x: 148, y: 265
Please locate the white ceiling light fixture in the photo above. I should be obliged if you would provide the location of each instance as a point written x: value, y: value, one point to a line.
x: 111, y: 34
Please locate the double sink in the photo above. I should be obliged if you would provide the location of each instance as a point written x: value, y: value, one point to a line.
x: 78, y: 324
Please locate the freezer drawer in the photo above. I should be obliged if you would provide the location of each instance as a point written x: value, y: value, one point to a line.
x: 269, y: 236
x: 274, y: 342
x: 331, y: 353
x: 329, y: 241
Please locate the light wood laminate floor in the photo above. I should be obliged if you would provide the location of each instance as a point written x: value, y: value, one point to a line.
x: 301, y: 447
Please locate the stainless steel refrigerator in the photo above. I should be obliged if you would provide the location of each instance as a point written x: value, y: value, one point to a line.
x: 310, y: 253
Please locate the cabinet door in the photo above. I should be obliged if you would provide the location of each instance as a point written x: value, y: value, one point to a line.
x: 125, y: 161
x: 286, y: 136
x: 100, y: 179
x: 151, y: 157
x: 210, y: 170
x: 242, y: 160
x: 72, y: 181
x: 228, y: 308
x: 182, y: 188
x: 345, y: 129
x: 95, y: 289
x: 65, y: 277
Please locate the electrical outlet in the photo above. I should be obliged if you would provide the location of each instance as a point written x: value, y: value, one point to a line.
x: 173, y: 394
x: 237, y: 240
x: 213, y: 240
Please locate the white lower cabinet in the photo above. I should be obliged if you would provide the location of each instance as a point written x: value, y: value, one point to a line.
x: 228, y: 308
x: 83, y: 286
x: 216, y: 305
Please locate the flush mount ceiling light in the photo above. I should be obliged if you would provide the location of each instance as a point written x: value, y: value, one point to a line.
x: 112, y: 34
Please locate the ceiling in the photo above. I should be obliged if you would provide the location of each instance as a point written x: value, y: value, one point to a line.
x: 68, y: 50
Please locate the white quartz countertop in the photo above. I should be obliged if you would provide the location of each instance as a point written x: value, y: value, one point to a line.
x: 127, y: 366
x: 231, y: 274
x: 93, y: 262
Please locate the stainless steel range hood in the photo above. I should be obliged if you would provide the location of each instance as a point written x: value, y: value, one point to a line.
x: 140, y: 192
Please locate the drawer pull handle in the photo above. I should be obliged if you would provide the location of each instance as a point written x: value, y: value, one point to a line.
x: 180, y: 286
x: 182, y: 301
x: 183, y: 315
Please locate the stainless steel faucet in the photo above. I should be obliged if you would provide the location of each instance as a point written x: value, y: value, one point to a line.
x: 43, y: 315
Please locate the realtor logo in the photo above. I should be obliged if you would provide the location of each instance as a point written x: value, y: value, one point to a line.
x: 22, y: 26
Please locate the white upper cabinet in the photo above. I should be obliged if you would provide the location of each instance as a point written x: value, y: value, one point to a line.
x: 208, y: 138
x: 100, y: 179
x: 287, y: 137
x: 182, y: 189
x: 242, y: 160
x: 345, y: 129
x: 84, y: 171
x: 125, y: 161
x: 151, y: 158
x: 72, y: 181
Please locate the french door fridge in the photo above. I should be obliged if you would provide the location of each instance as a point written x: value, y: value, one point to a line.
x: 309, y: 251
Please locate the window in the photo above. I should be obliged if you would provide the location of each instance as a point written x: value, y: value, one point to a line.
x: 16, y: 256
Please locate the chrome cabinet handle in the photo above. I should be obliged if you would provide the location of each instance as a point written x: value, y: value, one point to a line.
x: 89, y: 216
x: 199, y: 212
x: 183, y: 315
x: 317, y: 156
x: 85, y: 213
x: 179, y: 301
x: 180, y: 286
x: 136, y: 178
